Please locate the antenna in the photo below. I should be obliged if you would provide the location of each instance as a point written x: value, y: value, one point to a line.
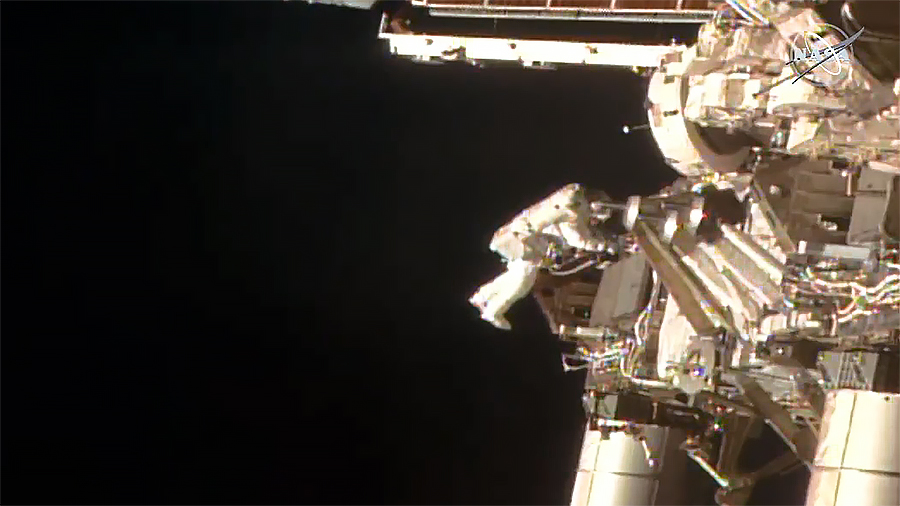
x: 627, y: 129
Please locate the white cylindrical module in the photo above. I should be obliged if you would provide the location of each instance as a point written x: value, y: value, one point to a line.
x: 856, y: 462
x: 615, y: 472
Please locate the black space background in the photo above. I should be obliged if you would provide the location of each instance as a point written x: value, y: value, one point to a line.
x: 238, y: 240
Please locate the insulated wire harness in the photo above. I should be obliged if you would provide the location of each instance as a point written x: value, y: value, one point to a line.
x: 863, y: 300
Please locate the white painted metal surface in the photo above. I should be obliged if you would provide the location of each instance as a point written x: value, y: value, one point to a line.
x: 673, y: 337
x: 354, y: 4
x: 674, y: 11
x: 615, y: 472
x: 857, y: 463
x: 529, y: 52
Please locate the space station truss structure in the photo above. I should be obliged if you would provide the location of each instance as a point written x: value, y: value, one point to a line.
x: 762, y: 287
x: 670, y: 11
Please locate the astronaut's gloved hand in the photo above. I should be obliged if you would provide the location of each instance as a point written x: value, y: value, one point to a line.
x: 604, y: 249
x: 608, y: 248
x: 578, y: 235
x: 496, y: 297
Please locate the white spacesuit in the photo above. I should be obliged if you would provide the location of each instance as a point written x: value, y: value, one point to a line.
x: 526, y: 242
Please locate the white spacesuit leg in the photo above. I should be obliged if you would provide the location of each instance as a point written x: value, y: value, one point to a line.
x: 496, y: 297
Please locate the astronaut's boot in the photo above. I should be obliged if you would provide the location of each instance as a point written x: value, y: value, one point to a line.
x: 489, y: 312
x: 496, y: 320
x: 478, y: 299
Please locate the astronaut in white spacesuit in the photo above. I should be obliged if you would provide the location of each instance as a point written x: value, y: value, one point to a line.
x: 526, y: 243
